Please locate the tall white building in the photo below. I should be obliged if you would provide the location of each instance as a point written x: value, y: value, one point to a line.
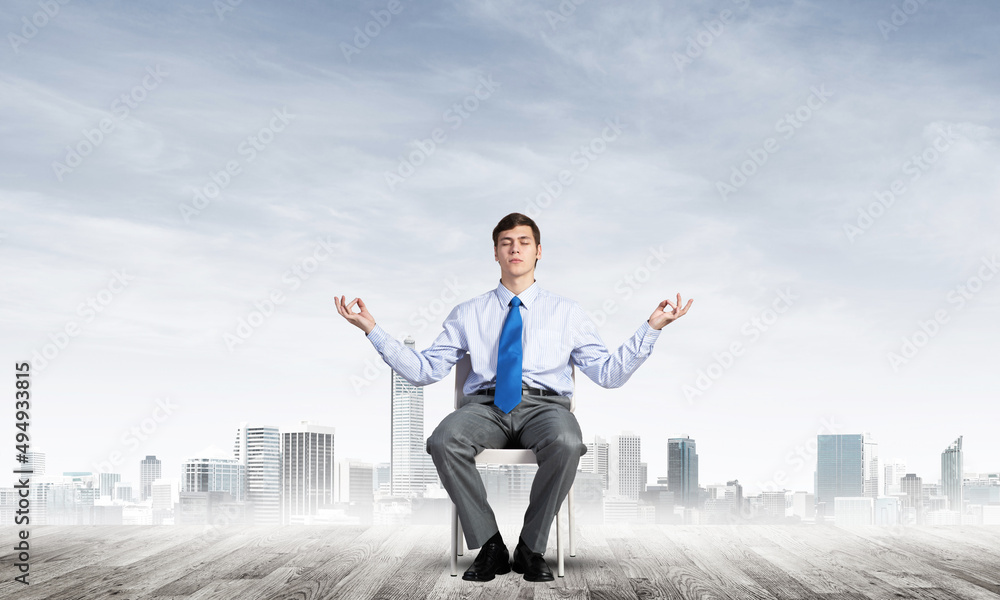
x: 624, y: 466
x: 307, y: 471
x: 870, y: 469
x: 258, y: 448
x: 212, y: 470
x: 412, y: 469
x: 596, y: 459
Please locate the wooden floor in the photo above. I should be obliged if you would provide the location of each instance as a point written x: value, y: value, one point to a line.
x: 613, y: 562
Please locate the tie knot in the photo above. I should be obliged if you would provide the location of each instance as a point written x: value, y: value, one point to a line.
x: 515, y: 301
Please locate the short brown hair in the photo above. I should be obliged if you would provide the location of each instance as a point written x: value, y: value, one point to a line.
x: 513, y: 220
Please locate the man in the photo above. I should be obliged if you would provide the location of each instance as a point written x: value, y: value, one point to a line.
x: 522, y: 341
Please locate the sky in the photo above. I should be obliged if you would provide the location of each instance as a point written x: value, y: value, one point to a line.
x: 187, y: 186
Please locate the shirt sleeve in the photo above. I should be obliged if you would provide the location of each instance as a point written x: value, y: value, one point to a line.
x: 426, y: 366
x: 602, y: 367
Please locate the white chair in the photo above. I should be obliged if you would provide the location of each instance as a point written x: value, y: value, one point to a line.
x: 505, y: 456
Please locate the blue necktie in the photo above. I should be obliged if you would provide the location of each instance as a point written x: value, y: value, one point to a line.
x: 508, y: 392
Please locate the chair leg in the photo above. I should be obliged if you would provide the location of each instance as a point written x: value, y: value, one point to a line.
x: 460, y: 539
x: 454, y: 540
x: 572, y: 524
x: 560, y: 570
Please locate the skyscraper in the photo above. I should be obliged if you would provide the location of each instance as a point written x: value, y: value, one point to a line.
x: 307, y: 471
x: 412, y: 469
x: 624, y: 466
x: 913, y: 487
x: 951, y: 474
x: 846, y: 467
x: 258, y: 449
x: 682, y: 471
x: 150, y: 469
x: 870, y: 470
x: 596, y: 459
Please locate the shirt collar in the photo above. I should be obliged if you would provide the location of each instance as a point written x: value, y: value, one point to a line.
x: 527, y: 296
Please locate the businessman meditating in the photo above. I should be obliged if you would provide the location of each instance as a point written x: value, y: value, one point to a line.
x: 522, y: 341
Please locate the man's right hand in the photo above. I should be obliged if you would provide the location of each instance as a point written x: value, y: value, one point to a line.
x: 363, y: 320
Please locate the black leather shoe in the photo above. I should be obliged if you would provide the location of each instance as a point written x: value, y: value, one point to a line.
x: 493, y: 560
x: 531, y: 564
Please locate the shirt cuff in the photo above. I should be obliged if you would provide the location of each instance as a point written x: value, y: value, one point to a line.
x: 378, y: 338
x: 647, y: 335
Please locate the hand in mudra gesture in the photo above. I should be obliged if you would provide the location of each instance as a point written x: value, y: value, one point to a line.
x: 663, y: 316
x: 362, y: 320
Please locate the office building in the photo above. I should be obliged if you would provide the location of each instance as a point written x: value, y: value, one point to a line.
x: 412, y: 468
x: 911, y: 487
x: 951, y: 475
x: 307, y: 471
x: 212, y: 470
x: 682, y: 470
x: 846, y: 467
x: 106, y: 483
x: 258, y: 449
x: 624, y: 466
x: 150, y: 469
x: 596, y: 459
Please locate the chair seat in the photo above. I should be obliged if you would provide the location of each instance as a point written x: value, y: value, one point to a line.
x: 506, y: 456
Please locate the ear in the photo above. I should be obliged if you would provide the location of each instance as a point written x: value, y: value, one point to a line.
x: 539, y: 254
x: 496, y: 256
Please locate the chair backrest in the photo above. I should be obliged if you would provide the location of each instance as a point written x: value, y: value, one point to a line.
x: 464, y: 367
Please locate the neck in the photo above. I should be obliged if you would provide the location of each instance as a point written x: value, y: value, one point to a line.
x: 518, y: 284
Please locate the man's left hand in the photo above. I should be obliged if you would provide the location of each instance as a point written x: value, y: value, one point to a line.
x: 663, y: 316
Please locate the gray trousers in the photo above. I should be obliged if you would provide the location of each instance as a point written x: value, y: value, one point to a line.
x: 542, y: 424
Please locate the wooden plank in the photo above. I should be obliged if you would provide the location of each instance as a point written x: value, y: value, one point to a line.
x: 732, y: 544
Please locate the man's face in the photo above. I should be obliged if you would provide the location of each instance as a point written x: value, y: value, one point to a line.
x: 517, y: 251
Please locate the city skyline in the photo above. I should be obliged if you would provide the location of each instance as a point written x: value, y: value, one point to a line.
x: 866, y: 487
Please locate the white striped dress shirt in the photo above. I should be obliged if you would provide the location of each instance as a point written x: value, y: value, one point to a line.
x: 557, y: 333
